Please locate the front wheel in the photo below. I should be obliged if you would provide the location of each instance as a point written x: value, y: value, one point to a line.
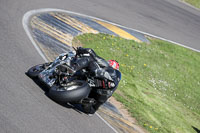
x: 34, y: 71
x: 73, y: 92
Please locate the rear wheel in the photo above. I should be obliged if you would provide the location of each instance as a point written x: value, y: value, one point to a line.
x: 34, y: 71
x: 73, y: 92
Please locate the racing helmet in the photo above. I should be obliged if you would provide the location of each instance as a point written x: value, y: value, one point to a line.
x: 114, y: 64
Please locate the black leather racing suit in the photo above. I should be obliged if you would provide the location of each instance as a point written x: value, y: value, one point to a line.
x: 106, y: 79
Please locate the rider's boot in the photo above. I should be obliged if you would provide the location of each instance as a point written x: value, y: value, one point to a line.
x: 87, y: 104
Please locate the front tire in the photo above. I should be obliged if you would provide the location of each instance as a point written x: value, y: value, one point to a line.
x: 34, y: 71
x: 73, y: 92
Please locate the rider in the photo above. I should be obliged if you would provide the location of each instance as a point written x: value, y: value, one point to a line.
x: 106, y: 78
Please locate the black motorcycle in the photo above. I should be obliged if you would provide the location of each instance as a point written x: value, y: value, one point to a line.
x: 64, y: 83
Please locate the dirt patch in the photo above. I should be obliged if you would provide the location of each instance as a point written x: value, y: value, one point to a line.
x: 126, y: 114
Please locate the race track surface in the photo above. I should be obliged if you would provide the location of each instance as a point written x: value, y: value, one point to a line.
x: 24, y: 106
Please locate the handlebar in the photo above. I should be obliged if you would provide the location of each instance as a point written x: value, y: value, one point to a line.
x: 74, y: 48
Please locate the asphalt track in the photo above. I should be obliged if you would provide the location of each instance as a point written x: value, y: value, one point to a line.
x: 23, y: 105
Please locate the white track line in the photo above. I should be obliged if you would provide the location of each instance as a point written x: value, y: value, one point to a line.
x: 25, y: 23
x: 79, y: 14
x: 106, y: 123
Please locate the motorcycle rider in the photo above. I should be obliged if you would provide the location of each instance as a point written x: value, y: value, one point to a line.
x: 106, y: 78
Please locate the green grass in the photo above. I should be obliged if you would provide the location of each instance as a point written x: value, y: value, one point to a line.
x: 195, y: 3
x: 160, y: 83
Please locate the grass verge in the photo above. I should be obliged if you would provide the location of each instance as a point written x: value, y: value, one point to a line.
x: 160, y: 83
x: 195, y: 3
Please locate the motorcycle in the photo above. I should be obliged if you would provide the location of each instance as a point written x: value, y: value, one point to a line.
x: 66, y: 84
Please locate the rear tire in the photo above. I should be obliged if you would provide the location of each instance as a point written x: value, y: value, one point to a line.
x: 74, y: 92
